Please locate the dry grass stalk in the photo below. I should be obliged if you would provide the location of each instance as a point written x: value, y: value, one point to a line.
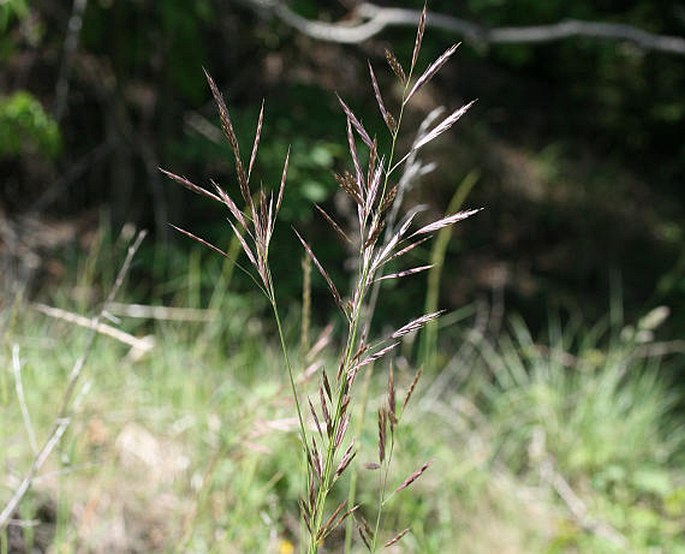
x: 162, y: 313
x: 19, y: 387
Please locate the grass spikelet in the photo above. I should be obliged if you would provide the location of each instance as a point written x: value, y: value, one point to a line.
x: 396, y: 66
x: 408, y: 248
x: 397, y: 538
x: 416, y: 324
x: 199, y: 240
x: 371, y: 169
x: 281, y: 187
x: 324, y: 274
x: 342, y: 429
x: 332, y: 525
x: 305, y: 324
x: 356, y: 123
x: 346, y: 459
x: 328, y: 526
x: 445, y: 221
x: 231, y: 205
x: 306, y: 514
x: 388, y: 199
x: 405, y: 273
x: 348, y: 183
x: 255, y: 145
x: 410, y: 390
x: 190, y: 185
x: 382, y: 427
x: 326, y: 384
x: 224, y: 116
x: 338, y: 230
x: 227, y: 126
x: 419, y: 38
x: 316, y: 461
x: 377, y: 355
x: 392, y: 403
x: 352, y: 145
x: 443, y: 126
x: 387, y: 116
x: 365, y: 532
x: 324, y: 411
x: 376, y: 229
x: 246, y: 248
x: 412, y: 478
x: 316, y: 418
x: 430, y: 71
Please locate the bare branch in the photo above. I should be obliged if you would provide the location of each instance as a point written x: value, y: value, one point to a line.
x: 374, y: 19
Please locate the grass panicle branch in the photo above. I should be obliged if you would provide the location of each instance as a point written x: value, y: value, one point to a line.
x: 254, y: 225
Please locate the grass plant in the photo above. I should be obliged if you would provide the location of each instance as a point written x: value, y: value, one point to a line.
x: 329, y: 450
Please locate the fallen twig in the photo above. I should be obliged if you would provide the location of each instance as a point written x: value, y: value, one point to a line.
x: 139, y: 345
x: 163, y: 313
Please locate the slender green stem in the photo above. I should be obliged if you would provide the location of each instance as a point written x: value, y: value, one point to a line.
x: 349, y: 529
x: 293, y: 387
x: 383, y: 490
x: 352, y: 492
x: 286, y: 358
x: 361, y: 291
x: 350, y: 349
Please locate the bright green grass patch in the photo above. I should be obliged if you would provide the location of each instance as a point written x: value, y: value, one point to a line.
x: 193, y: 447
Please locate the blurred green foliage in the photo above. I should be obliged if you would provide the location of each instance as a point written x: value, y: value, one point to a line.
x: 137, y: 36
x: 11, y: 10
x: 26, y: 127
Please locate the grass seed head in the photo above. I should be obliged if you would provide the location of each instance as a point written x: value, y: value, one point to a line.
x: 382, y: 427
x: 397, y: 538
x: 412, y: 478
x: 395, y: 65
x: 419, y: 37
x: 410, y: 391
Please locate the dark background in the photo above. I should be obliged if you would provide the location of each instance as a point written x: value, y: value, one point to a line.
x: 577, y: 145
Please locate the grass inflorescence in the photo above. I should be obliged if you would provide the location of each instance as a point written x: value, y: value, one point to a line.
x: 329, y: 450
